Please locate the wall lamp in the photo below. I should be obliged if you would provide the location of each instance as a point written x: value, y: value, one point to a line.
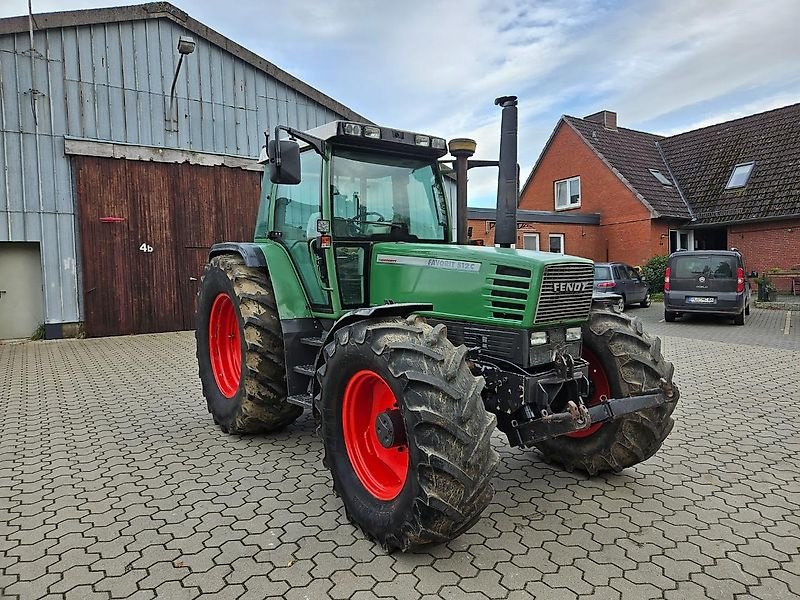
x: 185, y: 46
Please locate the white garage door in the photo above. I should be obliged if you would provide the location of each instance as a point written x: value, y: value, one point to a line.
x: 20, y: 289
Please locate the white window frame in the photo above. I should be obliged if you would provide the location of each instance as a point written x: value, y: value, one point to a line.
x: 570, y: 205
x: 535, y: 236
x: 678, y: 232
x: 559, y: 236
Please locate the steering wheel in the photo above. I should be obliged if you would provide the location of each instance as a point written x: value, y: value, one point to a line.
x: 355, y: 224
x: 381, y: 218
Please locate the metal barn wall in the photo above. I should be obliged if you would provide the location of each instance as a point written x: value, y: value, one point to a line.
x: 111, y: 82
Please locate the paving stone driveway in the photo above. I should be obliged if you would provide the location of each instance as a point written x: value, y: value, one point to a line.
x: 763, y: 327
x: 114, y: 483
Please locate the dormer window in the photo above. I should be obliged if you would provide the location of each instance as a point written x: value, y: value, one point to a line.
x: 660, y: 176
x: 740, y: 175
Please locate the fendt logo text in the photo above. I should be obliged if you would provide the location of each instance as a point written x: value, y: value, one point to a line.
x: 571, y: 286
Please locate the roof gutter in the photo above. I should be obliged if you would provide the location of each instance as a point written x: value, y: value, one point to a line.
x: 701, y: 225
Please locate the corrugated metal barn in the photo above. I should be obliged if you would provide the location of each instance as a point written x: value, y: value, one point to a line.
x: 113, y: 188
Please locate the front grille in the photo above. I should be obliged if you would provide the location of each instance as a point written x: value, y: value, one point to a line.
x: 508, y: 292
x: 493, y: 341
x: 566, y: 292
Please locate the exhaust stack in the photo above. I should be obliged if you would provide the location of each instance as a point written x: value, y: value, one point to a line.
x: 507, y: 180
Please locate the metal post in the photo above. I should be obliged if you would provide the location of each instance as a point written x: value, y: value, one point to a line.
x: 462, y: 149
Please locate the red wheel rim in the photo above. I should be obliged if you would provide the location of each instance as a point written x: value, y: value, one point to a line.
x: 598, y: 388
x: 381, y: 470
x: 225, y: 345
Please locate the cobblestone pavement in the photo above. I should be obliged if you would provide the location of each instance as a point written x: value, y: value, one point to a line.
x: 764, y: 327
x: 114, y: 483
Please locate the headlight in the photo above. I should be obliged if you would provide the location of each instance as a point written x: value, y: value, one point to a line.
x: 422, y: 140
x: 372, y: 132
x: 538, y: 338
x: 574, y: 334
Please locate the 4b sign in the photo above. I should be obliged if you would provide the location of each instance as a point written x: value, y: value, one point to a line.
x: 145, y: 247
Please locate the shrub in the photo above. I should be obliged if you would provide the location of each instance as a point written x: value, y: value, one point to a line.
x: 653, y: 272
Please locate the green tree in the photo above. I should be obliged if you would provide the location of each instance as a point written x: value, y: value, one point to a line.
x: 653, y: 272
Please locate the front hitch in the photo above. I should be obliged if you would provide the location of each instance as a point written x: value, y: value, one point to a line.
x: 578, y: 417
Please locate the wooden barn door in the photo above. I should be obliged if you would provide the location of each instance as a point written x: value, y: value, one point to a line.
x: 214, y: 204
x: 146, y: 229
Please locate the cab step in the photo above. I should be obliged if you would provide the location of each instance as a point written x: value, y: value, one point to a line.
x: 316, y: 342
x: 307, y: 370
x: 304, y: 400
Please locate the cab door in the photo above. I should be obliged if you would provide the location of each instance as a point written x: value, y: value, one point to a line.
x: 296, y: 210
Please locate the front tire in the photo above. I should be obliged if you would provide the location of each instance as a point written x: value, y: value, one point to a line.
x: 646, y: 302
x: 427, y: 479
x: 240, y: 348
x: 624, y: 362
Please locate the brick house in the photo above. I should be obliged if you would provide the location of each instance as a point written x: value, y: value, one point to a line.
x: 539, y: 230
x: 733, y: 184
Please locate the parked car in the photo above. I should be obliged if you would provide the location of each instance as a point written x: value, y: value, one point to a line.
x: 706, y: 281
x: 622, y: 279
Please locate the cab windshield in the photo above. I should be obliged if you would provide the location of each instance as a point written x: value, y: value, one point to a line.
x: 380, y: 197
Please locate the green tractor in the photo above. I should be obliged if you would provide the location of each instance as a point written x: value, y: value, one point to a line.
x: 358, y: 300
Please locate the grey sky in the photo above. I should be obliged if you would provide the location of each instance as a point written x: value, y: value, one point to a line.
x: 436, y: 66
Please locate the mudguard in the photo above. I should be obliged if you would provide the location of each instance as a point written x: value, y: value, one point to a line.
x: 289, y: 293
x: 360, y: 314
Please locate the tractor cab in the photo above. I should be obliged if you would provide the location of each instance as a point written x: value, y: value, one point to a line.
x: 358, y: 185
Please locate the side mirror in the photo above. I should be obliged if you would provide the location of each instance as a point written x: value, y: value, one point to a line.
x: 288, y: 172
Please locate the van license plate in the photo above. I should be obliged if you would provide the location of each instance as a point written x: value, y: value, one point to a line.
x: 700, y: 300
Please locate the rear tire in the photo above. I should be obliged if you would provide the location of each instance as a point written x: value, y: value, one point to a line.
x: 740, y: 318
x: 446, y: 432
x: 632, y: 362
x: 747, y: 309
x: 669, y: 316
x: 249, y: 397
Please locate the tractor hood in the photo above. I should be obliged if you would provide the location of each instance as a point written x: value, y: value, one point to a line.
x: 497, y: 286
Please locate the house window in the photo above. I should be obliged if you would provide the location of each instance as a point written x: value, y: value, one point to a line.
x: 530, y: 241
x: 680, y: 239
x: 660, y: 176
x: 557, y: 243
x: 568, y: 193
x: 740, y: 175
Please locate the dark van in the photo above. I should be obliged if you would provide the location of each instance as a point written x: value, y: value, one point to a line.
x: 706, y: 281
